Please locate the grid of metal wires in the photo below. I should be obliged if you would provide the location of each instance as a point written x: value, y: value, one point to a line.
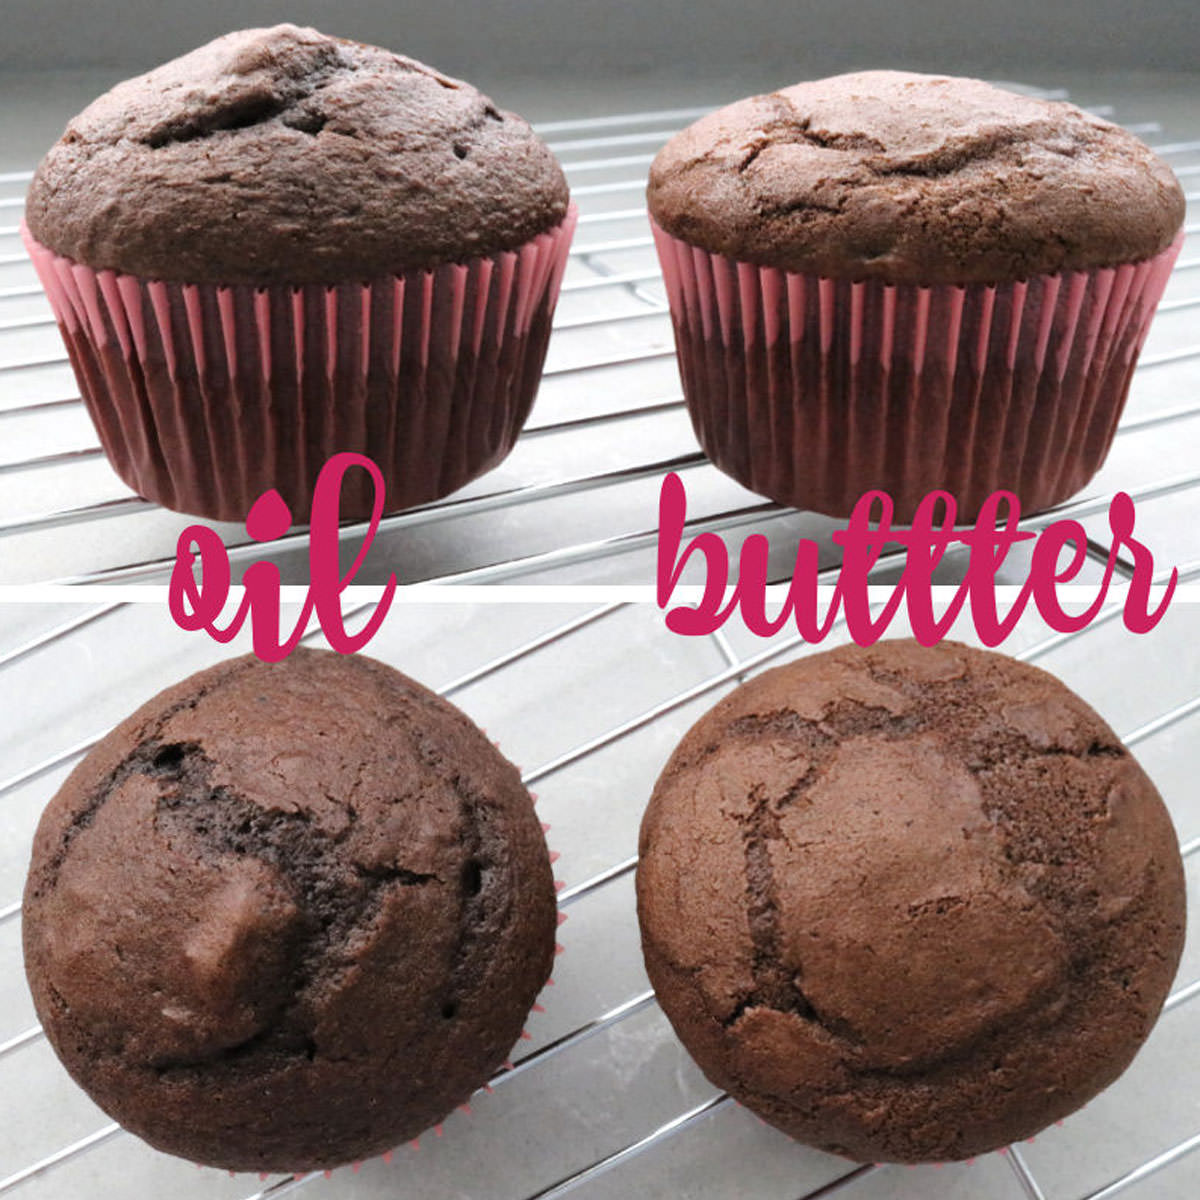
x: 576, y: 500
x: 645, y: 732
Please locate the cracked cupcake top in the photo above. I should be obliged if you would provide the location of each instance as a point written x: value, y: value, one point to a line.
x: 313, y: 880
x: 908, y: 903
x: 914, y: 179
x: 284, y: 156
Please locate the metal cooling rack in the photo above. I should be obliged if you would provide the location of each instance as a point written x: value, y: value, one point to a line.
x: 601, y: 1101
x: 577, y: 500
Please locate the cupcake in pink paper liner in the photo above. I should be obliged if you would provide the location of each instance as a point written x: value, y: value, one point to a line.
x: 288, y: 916
x: 285, y: 245
x: 909, y: 282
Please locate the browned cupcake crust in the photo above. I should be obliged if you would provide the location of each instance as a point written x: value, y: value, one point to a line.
x: 909, y: 904
x: 914, y: 179
x: 288, y: 916
x: 284, y: 156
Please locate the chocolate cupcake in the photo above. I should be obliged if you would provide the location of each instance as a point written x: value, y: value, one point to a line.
x: 288, y: 916
x: 908, y: 904
x: 910, y: 282
x: 284, y: 245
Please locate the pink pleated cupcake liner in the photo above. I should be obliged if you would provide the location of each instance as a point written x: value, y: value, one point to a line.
x: 811, y: 390
x: 204, y: 396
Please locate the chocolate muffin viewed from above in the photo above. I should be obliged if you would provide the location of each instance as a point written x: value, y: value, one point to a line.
x: 286, y: 917
x: 284, y: 245
x: 907, y: 282
x: 908, y: 904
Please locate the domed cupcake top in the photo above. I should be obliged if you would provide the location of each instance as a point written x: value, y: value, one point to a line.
x: 284, y: 155
x: 313, y: 881
x: 908, y: 903
x: 914, y: 179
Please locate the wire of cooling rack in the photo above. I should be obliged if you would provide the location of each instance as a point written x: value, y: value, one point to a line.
x: 737, y: 667
x: 610, y: 408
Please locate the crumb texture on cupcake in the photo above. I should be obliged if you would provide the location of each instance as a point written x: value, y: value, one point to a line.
x: 283, y: 155
x: 906, y: 903
x: 288, y: 916
x: 914, y: 179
